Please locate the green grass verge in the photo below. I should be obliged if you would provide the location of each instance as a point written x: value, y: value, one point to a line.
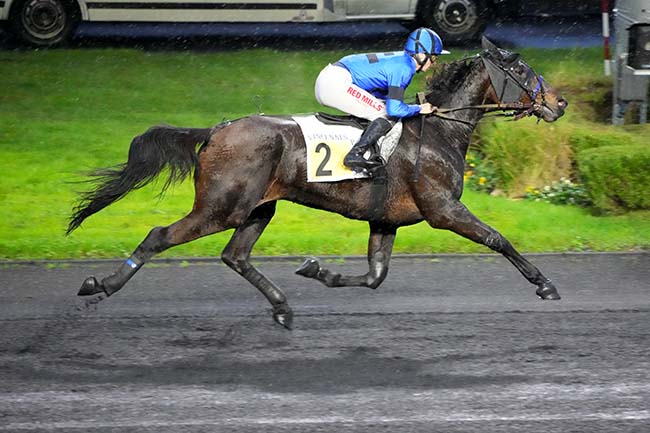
x: 68, y: 111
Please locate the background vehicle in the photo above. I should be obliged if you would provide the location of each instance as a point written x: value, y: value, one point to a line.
x: 53, y: 22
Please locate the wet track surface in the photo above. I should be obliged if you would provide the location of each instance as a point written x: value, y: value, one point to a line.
x: 446, y: 344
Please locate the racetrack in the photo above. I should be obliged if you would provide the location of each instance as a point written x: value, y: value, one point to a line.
x: 446, y: 344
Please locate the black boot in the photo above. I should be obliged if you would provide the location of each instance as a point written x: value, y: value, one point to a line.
x: 354, y: 159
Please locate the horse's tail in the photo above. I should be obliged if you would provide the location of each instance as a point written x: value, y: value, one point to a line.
x: 149, y: 154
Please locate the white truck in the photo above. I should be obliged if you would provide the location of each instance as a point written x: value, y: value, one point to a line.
x: 53, y: 22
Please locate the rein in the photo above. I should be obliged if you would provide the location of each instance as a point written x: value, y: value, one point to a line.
x: 421, y: 98
x: 523, y: 109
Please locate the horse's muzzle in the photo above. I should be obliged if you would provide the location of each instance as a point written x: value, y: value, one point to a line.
x: 552, y: 112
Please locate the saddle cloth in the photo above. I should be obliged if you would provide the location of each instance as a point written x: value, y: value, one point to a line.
x: 327, y: 145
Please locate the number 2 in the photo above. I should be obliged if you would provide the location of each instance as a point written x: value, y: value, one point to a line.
x: 320, y: 171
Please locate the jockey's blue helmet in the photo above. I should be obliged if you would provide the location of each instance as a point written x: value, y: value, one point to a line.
x: 424, y: 40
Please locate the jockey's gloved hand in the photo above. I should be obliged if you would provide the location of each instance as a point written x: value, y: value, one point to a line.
x: 427, y: 108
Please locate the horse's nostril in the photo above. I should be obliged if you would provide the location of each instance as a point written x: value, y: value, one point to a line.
x: 562, y: 103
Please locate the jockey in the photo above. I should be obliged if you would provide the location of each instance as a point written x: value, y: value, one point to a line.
x: 371, y: 86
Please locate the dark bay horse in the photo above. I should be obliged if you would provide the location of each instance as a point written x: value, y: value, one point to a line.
x: 243, y: 167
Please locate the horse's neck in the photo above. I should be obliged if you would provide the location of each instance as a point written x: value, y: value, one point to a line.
x: 470, y: 93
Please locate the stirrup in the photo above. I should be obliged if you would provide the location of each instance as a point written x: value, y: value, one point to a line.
x: 360, y: 163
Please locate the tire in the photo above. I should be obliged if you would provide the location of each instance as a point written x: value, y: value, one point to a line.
x: 44, y: 23
x: 455, y: 20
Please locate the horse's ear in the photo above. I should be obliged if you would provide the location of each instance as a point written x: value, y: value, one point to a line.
x: 487, y: 45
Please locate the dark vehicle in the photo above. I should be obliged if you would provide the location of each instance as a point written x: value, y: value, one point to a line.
x: 464, y: 20
x: 53, y: 22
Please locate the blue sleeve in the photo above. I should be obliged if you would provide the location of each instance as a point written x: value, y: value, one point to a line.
x: 398, y: 80
x: 397, y: 108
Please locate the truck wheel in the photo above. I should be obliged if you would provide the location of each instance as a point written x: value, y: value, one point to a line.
x: 455, y: 20
x: 44, y: 23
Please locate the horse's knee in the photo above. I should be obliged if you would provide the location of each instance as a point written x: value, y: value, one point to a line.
x: 496, y: 242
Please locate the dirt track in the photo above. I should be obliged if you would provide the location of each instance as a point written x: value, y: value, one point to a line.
x: 445, y: 344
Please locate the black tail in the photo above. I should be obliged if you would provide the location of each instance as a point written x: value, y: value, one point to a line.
x: 159, y: 147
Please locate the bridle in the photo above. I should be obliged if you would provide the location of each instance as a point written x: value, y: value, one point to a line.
x: 510, y: 91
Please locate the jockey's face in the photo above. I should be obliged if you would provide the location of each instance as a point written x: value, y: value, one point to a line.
x: 429, y: 62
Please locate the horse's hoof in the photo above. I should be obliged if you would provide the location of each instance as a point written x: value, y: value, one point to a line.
x: 309, y: 268
x: 548, y: 292
x: 283, y: 316
x: 90, y: 286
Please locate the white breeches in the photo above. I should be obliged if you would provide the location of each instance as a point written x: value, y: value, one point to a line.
x: 334, y: 88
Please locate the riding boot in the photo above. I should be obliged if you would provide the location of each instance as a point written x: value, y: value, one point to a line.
x: 354, y: 159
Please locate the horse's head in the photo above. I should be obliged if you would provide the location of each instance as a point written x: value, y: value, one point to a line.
x: 513, y: 81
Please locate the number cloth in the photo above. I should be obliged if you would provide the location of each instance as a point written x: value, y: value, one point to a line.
x: 327, y: 145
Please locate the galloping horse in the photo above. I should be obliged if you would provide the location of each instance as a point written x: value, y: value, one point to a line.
x: 244, y: 166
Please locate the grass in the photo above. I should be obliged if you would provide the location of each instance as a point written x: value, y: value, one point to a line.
x: 68, y: 111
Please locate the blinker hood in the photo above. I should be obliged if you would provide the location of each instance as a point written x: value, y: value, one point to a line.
x: 507, y: 90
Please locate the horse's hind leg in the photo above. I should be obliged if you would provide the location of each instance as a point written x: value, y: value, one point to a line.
x: 237, y: 256
x: 453, y: 215
x: 380, y: 247
x: 193, y: 226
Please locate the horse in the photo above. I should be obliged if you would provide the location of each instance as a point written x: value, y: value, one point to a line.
x: 243, y: 167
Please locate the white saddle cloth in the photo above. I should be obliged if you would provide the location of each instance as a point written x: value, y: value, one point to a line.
x: 328, y: 144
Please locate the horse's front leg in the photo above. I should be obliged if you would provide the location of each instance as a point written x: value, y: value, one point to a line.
x: 380, y: 247
x: 448, y: 213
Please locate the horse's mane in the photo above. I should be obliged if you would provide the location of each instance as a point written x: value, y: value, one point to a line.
x: 447, y: 78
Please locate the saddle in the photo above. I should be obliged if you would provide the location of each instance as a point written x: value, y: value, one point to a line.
x: 353, y: 121
x: 343, y: 119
